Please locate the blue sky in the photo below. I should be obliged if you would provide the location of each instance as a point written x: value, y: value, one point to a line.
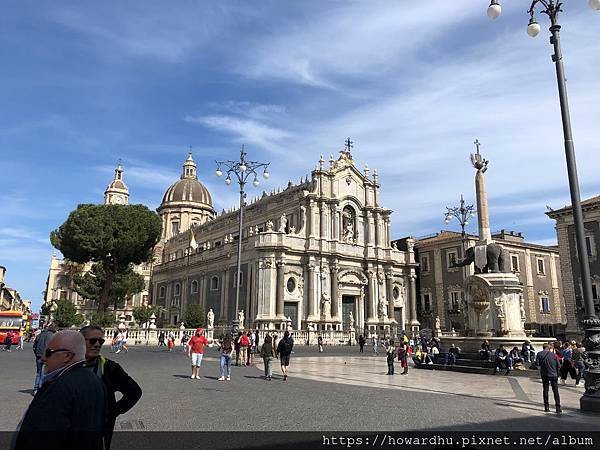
x: 413, y: 83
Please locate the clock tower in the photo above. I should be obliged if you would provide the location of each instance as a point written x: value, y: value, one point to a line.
x: 117, y: 192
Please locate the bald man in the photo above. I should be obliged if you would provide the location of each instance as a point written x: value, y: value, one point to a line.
x: 68, y: 409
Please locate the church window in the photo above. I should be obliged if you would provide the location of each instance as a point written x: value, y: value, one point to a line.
x: 175, y: 228
x: 214, y: 283
x: 235, y: 279
x: 426, y: 302
x: 541, y: 267
x: 162, y: 292
x: 454, y: 300
x: 291, y: 284
x: 396, y: 293
x: 177, y: 290
x: 452, y: 256
x: 595, y: 291
x: 194, y: 287
x: 424, y: 263
x: 544, y: 305
x: 514, y: 263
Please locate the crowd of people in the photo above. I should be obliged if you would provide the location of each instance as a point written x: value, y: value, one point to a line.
x: 75, y: 386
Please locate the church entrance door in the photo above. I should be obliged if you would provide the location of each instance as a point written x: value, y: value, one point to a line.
x: 347, y: 308
x: 290, y: 309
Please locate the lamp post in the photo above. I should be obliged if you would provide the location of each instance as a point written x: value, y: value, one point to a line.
x: 242, y: 170
x: 461, y: 213
x: 590, y: 401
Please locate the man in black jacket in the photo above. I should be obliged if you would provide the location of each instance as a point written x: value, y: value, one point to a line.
x: 113, y: 376
x: 549, y: 369
x: 39, y: 348
x: 69, y: 408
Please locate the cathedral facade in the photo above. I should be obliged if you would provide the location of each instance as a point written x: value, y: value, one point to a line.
x: 315, y: 255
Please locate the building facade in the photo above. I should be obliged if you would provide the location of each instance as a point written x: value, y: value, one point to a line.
x: 315, y: 255
x: 10, y: 299
x: 440, y: 286
x: 571, y: 273
x: 60, y: 284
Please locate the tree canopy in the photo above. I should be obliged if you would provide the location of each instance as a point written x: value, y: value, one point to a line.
x: 114, y: 235
x: 66, y: 314
x: 194, y: 316
x: 125, y: 284
x: 142, y: 314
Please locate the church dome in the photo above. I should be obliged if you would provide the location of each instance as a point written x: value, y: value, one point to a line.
x: 188, y: 189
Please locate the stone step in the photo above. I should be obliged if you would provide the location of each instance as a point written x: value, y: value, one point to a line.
x: 479, y: 370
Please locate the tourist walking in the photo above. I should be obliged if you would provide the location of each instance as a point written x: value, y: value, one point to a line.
x: 21, y: 340
x: 390, y: 352
x: 403, y: 357
x: 184, y: 341
x: 284, y: 350
x: 195, y: 351
x: 161, y: 339
x: 320, y: 343
x: 578, y: 352
x: 375, y: 343
x: 549, y: 366
x: 568, y: 366
x: 361, y: 343
x: 226, y: 348
x: 39, y: 349
x: 251, y: 348
x: 171, y: 341
x: 113, y: 376
x: 124, y: 336
x: 237, y: 347
x: 267, y: 352
x: 69, y: 408
x: 244, y: 344
x: 8, y: 341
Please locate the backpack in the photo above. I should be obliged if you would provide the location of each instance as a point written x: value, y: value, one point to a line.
x: 286, y: 346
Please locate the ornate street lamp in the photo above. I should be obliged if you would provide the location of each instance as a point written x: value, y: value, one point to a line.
x: 591, y: 324
x: 242, y: 170
x: 461, y: 213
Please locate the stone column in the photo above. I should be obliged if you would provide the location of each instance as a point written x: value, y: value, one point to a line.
x: 311, y: 218
x: 377, y: 240
x: 372, y: 302
x: 414, y: 323
x: 310, y: 291
x: 202, y: 291
x: 333, y: 271
x: 389, y: 278
x: 483, y: 216
x: 225, y: 296
x: 279, y: 289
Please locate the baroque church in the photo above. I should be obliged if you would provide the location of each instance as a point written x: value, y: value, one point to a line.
x: 316, y: 255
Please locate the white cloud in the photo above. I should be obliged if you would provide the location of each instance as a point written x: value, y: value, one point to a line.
x: 245, y: 131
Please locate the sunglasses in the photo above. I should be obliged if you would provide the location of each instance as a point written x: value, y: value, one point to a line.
x: 51, y: 351
x: 95, y: 341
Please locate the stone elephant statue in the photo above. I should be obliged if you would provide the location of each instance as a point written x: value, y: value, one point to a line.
x: 496, y: 261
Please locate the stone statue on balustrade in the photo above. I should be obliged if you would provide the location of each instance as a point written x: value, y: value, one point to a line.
x: 241, y: 319
x: 210, y: 318
x: 282, y: 223
x: 351, y: 320
x: 325, y: 306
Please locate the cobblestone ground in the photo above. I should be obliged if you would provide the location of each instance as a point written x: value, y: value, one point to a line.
x: 339, y: 389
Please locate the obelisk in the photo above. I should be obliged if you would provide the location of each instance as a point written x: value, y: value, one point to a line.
x: 483, y: 217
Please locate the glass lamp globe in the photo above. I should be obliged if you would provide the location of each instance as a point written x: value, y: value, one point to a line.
x: 471, y: 214
x: 218, y: 172
x: 266, y: 174
x: 466, y: 223
x: 594, y: 4
x: 533, y: 29
x: 243, y: 167
x: 494, y: 10
x: 447, y: 221
x: 227, y: 181
x: 255, y: 182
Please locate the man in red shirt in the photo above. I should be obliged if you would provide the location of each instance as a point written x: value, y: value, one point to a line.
x: 196, y: 350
